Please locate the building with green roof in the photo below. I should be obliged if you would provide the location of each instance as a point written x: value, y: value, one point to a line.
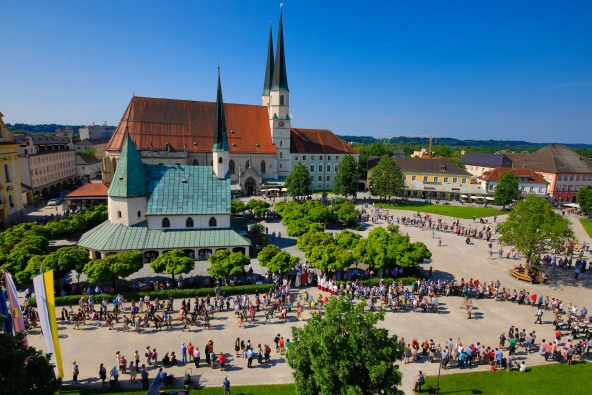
x: 158, y: 207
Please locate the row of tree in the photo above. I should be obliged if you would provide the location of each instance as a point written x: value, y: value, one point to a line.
x: 311, y: 215
x: 382, y: 248
x: 23, y: 247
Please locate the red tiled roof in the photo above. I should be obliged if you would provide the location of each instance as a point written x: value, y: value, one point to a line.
x: 496, y: 174
x: 153, y: 122
x: 317, y: 141
x: 89, y: 190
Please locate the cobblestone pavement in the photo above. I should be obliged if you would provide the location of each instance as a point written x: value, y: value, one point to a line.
x: 92, y: 345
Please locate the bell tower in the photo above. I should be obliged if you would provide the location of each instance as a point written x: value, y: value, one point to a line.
x: 279, y: 106
x: 220, y: 149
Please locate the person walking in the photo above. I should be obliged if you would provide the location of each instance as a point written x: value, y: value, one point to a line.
x: 226, y: 386
x: 183, y: 353
x: 539, y: 316
x: 250, y: 358
x: 102, y: 373
x: 75, y: 371
x: 144, y: 376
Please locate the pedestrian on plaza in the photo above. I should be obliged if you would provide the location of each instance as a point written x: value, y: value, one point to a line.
x: 75, y: 371
x: 102, y: 374
x: 237, y: 346
x: 148, y: 355
x: 144, y: 375
x: 250, y: 358
x: 137, y: 359
x: 183, y: 353
x: 196, y: 357
x: 132, y: 373
x: 226, y: 386
x: 539, y: 316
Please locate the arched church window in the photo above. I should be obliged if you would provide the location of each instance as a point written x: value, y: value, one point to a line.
x: 262, y: 166
x: 220, y: 160
x: 7, y: 172
x: 139, y: 214
x: 189, y: 223
x: 231, y: 166
x: 118, y: 214
x: 213, y: 222
x: 281, y: 155
x: 282, y: 101
x: 195, y: 162
x: 10, y: 201
x: 166, y: 223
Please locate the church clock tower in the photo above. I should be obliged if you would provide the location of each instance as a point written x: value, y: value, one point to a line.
x: 279, y: 106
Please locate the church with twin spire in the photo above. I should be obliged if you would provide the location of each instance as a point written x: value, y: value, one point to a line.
x: 261, y: 143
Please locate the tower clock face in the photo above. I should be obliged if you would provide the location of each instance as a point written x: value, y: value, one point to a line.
x: 281, y: 124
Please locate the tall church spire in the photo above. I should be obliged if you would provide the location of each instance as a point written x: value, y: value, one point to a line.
x: 269, y: 67
x: 280, y: 77
x: 221, y: 143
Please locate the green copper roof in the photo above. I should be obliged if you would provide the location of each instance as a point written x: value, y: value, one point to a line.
x: 130, y: 176
x: 280, y: 76
x: 221, y: 143
x: 176, y: 190
x: 117, y: 237
x: 269, y: 66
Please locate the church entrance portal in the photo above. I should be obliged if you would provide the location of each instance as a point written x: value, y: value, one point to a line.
x: 250, y: 186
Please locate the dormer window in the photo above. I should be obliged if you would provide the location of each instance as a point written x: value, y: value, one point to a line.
x: 213, y: 222
x: 189, y: 223
x: 166, y: 223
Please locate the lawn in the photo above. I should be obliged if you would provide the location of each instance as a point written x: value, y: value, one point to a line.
x: 549, y: 379
x: 465, y: 212
x: 587, y: 224
x: 272, y: 389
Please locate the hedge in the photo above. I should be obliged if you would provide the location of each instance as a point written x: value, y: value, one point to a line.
x: 71, y: 300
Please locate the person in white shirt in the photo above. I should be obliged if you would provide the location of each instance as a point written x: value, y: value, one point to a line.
x: 523, y: 366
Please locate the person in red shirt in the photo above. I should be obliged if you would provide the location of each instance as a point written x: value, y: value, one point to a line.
x: 222, y: 360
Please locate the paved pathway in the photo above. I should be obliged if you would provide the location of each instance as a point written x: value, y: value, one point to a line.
x: 454, y: 259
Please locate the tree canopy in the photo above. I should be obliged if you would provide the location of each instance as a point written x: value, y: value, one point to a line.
x: 344, y: 353
x: 534, y: 225
x: 226, y: 263
x: 346, y: 179
x: 386, y: 179
x: 113, y: 267
x: 25, y: 370
x: 507, y: 190
x: 584, y: 199
x: 277, y: 260
x: 298, y: 180
x: 173, y: 262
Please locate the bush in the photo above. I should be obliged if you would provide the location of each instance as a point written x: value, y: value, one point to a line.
x: 71, y: 300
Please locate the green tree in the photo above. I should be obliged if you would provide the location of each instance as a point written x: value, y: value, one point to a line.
x: 276, y: 260
x: 533, y: 225
x: 298, y: 180
x: 87, y: 151
x: 65, y: 259
x: 258, y: 235
x: 363, y: 166
x: 584, y: 199
x: 114, y: 266
x: 344, y: 353
x: 377, y: 148
x: 25, y: 370
x: 173, y: 262
x: 237, y: 206
x: 347, y: 239
x: 346, y: 179
x: 267, y: 253
x: 507, y: 190
x: 386, y: 179
x: 329, y: 257
x: 225, y: 263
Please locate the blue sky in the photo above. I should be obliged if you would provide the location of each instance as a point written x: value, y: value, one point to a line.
x: 518, y: 70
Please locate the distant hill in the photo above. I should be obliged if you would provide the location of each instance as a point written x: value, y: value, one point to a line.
x: 45, y: 128
x: 513, y: 145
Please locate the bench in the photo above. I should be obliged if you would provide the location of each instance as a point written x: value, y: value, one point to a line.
x: 523, y: 275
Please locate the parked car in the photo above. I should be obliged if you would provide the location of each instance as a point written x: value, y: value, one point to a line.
x: 55, y: 201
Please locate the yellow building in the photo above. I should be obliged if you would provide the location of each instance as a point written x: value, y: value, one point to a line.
x: 11, y: 199
x: 433, y: 178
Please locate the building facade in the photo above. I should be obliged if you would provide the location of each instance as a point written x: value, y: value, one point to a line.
x: 96, y: 132
x: 46, y: 164
x: 88, y: 167
x: 433, y: 178
x: 529, y: 181
x: 11, y: 193
x: 478, y: 163
x: 564, y: 169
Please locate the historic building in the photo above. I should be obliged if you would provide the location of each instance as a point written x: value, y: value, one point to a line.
x: 262, y: 145
x: 436, y: 178
x: 88, y: 167
x: 529, y: 181
x: 11, y: 195
x: 565, y: 170
x: 157, y: 207
x: 478, y: 163
x: 46, y: 164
